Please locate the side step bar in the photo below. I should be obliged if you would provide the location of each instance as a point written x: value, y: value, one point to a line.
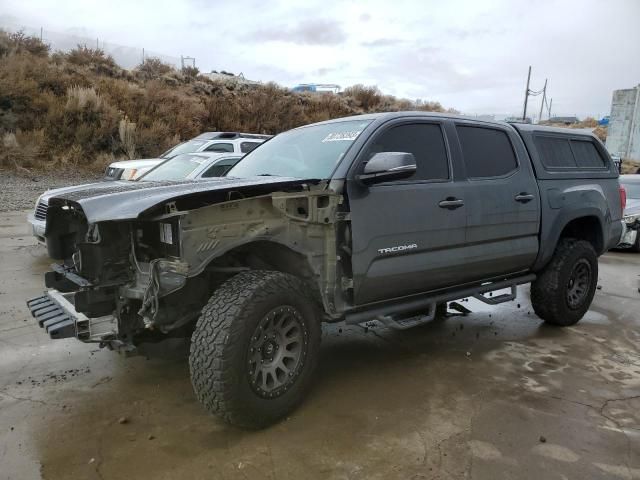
x: 428, y: 302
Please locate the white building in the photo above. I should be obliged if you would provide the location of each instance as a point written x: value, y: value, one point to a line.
x: 623, y: 137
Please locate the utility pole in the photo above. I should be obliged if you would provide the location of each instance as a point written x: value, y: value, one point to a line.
x: 544, y: 96
x: 40, y: 33
x: 550, y: 103
x: 526, y: 96
x: 142, y: 55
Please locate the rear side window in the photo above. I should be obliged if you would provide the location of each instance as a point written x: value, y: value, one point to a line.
x: 220, y: 147
x: 587, y: 155
x: 425, y: 141
x: 246, y: 147
x: 487, y: 152
x: 559, y: 152
x: 555, y: 152
x: 220, y: 168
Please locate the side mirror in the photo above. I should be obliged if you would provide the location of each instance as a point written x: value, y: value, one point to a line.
x: 387, y: 166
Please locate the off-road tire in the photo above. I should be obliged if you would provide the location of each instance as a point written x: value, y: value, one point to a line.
x: 222, y: 339
x: 549, y: 292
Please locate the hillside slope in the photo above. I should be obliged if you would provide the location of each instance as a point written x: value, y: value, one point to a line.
x: 79, y: 109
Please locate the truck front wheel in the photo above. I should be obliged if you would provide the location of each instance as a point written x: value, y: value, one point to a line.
x: 255, y: 347
x: 563, y: 291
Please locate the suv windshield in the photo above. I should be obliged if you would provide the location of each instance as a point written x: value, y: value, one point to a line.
x: 308, y: 152
x: 176, y: 168
x: 186, y: 147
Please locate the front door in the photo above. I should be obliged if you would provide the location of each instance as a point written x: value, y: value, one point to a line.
x: 408, y: 235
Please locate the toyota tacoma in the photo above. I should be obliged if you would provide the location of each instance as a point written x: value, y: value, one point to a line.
x: 374, y: 217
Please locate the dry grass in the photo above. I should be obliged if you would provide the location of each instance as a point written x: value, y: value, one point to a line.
x: 80, y: 109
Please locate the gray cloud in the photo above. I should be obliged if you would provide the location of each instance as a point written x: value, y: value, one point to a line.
x: 307, y: 32
x: 382, y: 42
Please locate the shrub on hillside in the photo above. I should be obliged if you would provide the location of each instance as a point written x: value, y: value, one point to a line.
x: 19, y: 42
x: 153, y: 68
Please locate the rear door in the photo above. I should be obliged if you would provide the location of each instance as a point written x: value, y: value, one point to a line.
x: 502, y: 201
x: 408, y: 235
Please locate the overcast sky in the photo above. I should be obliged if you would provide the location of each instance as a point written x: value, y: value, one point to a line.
x: 469, y: 55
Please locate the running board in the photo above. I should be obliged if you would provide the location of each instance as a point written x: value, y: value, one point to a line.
x: 423, y: 303
x: 409, y: 322
x: 505, y: 297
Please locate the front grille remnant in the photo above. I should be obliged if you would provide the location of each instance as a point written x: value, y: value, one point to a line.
x: 41, y: 211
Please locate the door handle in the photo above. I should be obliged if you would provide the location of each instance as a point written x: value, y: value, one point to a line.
x: 523, y: 197
x: 451, y: 203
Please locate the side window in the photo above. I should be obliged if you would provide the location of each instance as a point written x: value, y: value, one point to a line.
x: 424, y: 140
x: 587, y: 155
x: 220, y: 168
x: 220, y: 148
x: 487, y: 151
x: 555, y: 152
x: 246, y: 147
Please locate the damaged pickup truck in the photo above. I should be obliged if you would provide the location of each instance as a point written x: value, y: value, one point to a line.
x: 381, y: 217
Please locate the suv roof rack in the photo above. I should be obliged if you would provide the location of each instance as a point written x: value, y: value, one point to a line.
x: 230, y: 135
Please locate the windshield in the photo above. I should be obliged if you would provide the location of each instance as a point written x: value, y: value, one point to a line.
x: 186, y: 147
x: 308, y: 152
x: 633, y: 190
x: 176, y: 168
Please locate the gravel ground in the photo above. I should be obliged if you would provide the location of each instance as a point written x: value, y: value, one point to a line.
x: 19, y: 191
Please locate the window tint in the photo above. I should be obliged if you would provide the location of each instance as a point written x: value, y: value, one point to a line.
x: 558, y: 152
x: 586, y: 154
x: 246, y: 147
x: 220, y: 168
x: 487, y: 152
x: 555, y: 152
x: 220, y: 147
x: 424, y: 141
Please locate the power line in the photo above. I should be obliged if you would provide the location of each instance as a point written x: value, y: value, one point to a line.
x: 533, y: 93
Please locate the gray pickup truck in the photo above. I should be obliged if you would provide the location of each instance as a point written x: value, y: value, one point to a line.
x: 376, y: 217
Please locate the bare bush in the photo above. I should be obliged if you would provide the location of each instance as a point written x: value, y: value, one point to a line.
x: 127, y: 132
x: 153, y: 68
x: 22, y: 150
x: 80, y: 97
x: 19, y: 42
x: 367, y: 98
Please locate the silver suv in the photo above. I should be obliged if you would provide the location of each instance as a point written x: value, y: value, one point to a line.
x: 211, y: 142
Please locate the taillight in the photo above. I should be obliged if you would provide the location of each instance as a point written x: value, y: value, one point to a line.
x: 623, y: 198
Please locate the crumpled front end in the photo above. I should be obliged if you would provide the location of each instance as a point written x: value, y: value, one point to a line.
x: 111, y: 278
x: 129, y: 281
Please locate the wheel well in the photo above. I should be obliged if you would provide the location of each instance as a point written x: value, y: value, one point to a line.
x: 585, y: 228
x: 266, y: 255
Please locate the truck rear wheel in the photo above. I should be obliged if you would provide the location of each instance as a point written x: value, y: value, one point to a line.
x: 255, y: 347
x: 563, y: 291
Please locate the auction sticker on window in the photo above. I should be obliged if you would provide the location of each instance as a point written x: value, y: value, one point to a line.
x: 342, y: 136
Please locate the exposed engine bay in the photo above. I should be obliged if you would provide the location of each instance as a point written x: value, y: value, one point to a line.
x: 141, y: 279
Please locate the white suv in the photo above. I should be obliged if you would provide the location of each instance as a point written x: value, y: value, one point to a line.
x: 212, y: 142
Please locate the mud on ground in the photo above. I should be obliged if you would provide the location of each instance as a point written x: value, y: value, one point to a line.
x: 495, y: 394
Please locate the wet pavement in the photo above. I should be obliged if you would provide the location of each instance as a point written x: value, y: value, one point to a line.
x: 495, y: 394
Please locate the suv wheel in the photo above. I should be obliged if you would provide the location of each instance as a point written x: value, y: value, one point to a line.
x: 255, y: 347
x: 563, y: 291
